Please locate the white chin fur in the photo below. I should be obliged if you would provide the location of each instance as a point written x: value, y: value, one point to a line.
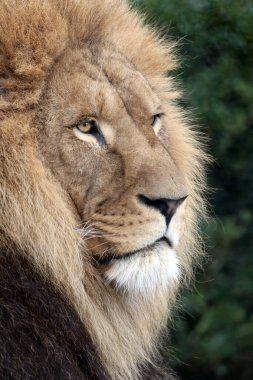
x: 145, y: 272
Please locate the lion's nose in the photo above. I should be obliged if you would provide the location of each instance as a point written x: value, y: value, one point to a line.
x: 167, y: 207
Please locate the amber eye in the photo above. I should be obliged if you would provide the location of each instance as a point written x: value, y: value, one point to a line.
x: 86, y: 126
x: 88, y: 129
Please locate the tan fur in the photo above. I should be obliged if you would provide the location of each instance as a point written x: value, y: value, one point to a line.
x: 49, y: 51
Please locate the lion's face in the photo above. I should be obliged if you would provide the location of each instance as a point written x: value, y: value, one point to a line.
x: 105, y: 135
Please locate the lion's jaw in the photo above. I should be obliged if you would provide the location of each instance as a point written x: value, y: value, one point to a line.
x: 152, y: 270
x: 147, y: 273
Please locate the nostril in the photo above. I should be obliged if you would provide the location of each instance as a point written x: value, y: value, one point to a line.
x: 166, y: 206
x: 159, y: 204
x: 162, y: 206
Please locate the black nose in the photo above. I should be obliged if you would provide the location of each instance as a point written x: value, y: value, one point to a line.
x: 167, y: 207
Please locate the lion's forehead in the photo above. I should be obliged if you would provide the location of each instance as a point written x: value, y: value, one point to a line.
x: 106, y: 87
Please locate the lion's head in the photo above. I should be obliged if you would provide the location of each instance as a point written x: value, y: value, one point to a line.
x: 102, y: 174
x: 106, y: 137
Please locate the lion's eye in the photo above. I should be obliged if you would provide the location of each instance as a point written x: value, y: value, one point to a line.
x: 87, y: 126
x: 87, y: 130
x: 156, y: 119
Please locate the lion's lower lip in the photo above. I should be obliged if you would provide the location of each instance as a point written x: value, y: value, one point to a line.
x: 108, y: 259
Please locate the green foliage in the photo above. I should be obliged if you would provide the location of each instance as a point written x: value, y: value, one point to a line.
x: 213, y: 339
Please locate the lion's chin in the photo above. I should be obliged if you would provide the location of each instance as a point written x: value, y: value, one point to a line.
x: 147, y: 273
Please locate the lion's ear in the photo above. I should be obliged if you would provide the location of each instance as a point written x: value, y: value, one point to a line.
x: 32, y: 35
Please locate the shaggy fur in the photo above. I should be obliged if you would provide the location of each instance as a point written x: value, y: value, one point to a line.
x: 61, y: 60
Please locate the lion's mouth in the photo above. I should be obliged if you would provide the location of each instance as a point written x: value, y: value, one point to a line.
x: 107, y: 259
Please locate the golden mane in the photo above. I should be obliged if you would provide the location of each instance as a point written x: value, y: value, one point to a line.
x: 34, y: 212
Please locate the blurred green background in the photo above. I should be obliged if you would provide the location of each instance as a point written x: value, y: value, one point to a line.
x: 213, y: 336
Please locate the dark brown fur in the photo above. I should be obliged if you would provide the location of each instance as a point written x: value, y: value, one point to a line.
x: 41, y: 336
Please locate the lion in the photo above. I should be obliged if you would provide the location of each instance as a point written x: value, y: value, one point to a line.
x: 102, y: 179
